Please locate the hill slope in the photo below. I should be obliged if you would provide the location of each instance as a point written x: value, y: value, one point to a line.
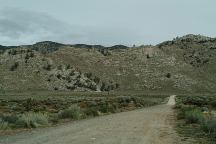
x: 184, y: 64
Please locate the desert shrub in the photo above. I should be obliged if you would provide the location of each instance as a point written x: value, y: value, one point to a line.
x: 117, y: 85
x: 68, y: 78
x: 111, y: 87
x: 196, y: 100
x: 89, y: 75
x: 180, y: 115
x: 92, y: 111
x: 68, y: 66
x: 125, y: 100
x: 178, y: 105
x: 213, y: 103
x: 103, y: 86
x: 96, y: 79
x: 72, y: 73
x: 3, y: 125
x: 12, y: 52
x: 195, y: 109
x: 73, y: 112
x: 122, y: 99
x: 27, y: 57
x: 31, y: 54
x: 106, y: 87
x: 194, y: 116
x: 182, y: 109
x: 209, y: 126
x: 32, y: 120
x: 168, y: 75
x: 14, y: 66
x: 104, y: 52
x: 29, y: 104
x: 47, y: 67
x: 92, y: 86
x: 59, y: 76
x: 10, y: 118
x: 54, y: 118
x: 106, y: 108
x: 59, y: 67
x: 56, y: 89
x: 139, y: 102
x: 70, y: 87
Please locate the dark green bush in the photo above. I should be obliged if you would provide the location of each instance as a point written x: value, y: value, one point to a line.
x: 213, y: 103
x: 106, y: 108
x: 68, y: 66
x: 73, y: 112
x: 181, y: 115
x: 27, y: 57
x: 30, y: 104
x: 194, y: 116
x: 54, y: 118
x: 89, y: 75
x: 96, y: 79
x: 14, y: 66
x: 196, y: 100
x: 10, y: 118
x: 209, y: 126
x: 47, y: 67
x: 12, y: 52
x: 3, y: 125
x: 31, y: 54
x: 92, y: 111
x: 168, y: 75
x: 182, y: 109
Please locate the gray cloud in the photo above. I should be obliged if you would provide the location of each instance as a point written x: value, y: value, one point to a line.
x: 19, y: 27
x: 104, y: 22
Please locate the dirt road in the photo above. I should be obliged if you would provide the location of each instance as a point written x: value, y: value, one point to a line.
x: 151, y: 125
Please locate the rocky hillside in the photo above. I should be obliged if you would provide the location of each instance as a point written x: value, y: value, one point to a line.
x: 185, y: 64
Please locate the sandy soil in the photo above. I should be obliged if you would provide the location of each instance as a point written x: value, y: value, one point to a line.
x: 171, y: 101
x: 153, y: 125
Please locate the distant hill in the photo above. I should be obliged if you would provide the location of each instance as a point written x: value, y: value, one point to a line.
x: 184, y: 64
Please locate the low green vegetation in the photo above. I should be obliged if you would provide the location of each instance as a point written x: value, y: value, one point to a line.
x: 3, y: 125
x: 32, y: 113
x: 197, y: 118
x: 14, y: 66
x: 72, y: 112
x: 32, y: 120
x: 26, y: 120
x: 194, y: 116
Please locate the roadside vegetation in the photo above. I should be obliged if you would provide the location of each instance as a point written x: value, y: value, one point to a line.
x: 197, y: 118
x: 27, y: 113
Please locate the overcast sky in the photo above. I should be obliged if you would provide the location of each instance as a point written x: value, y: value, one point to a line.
x: 105, y: 22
